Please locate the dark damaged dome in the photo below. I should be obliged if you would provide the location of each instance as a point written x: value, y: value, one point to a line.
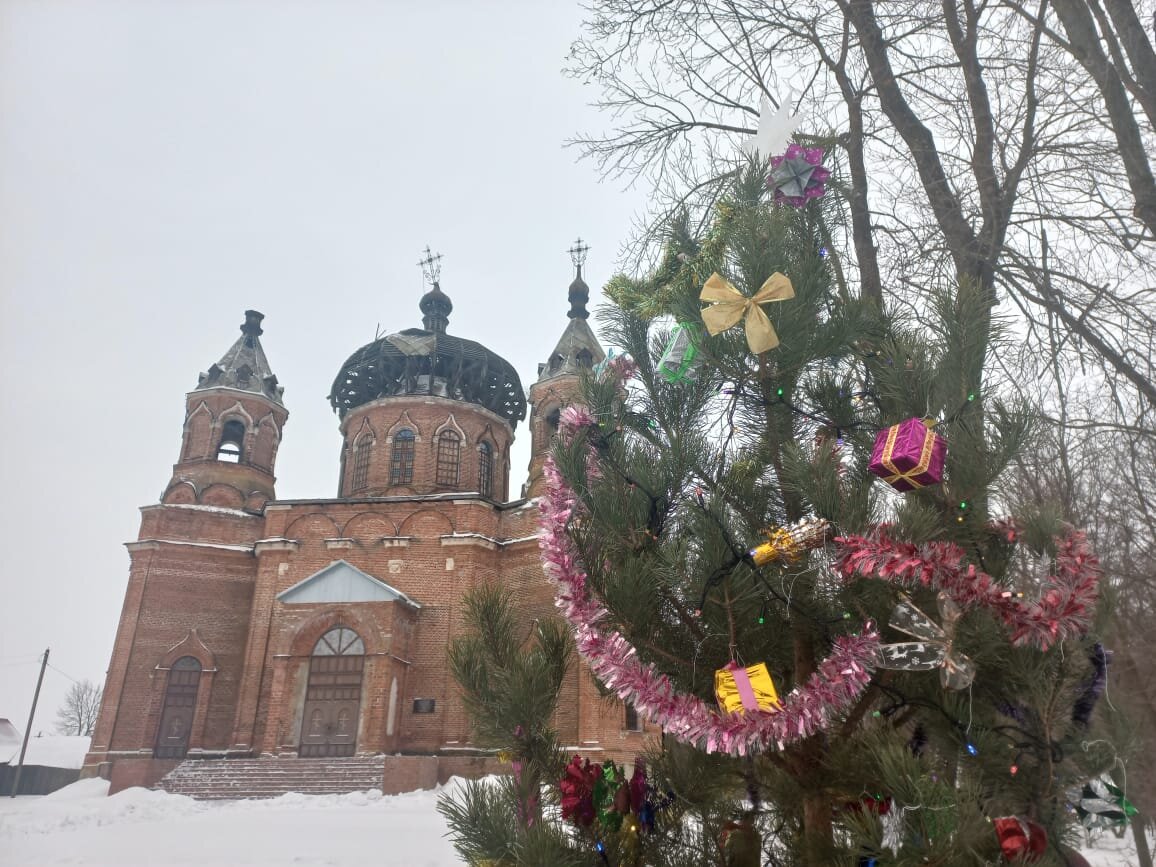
x: 429, y: 361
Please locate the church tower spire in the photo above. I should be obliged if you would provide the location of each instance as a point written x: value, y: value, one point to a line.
x: 233, y: 423
x: 559, y: 377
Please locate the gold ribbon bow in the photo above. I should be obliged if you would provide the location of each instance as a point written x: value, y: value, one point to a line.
x: 729, y: 305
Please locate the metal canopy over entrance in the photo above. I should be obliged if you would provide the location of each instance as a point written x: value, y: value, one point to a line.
x: 333, y: 697
x: 177, y: 713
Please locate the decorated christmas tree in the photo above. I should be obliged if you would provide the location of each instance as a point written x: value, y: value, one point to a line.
x: 776, y: 528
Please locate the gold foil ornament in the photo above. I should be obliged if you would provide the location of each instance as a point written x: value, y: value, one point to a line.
x: 935, y: 649
x: 729, y: 305
x: 740, y: 690
x: 788, y: 544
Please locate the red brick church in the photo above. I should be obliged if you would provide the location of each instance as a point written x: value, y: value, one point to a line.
x: 284, y: 630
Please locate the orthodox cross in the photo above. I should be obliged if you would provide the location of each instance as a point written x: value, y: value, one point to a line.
x: 431, y: 266
x: 578, y: 253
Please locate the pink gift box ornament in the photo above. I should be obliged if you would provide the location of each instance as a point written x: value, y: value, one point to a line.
x: 909, y: 455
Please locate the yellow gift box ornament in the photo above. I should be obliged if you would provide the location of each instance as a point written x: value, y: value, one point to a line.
x: 729, y: 305
x: 739, y: 689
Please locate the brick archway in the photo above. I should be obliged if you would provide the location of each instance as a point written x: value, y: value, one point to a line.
x: 291, y: 661
x: 167, y: 674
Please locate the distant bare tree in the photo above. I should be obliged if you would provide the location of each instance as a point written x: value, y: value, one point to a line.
x: 1007, y: 144
x: 77, y: 716
x: 1105, y: 481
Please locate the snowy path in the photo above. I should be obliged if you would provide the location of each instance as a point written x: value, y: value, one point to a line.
x: 79, y: 825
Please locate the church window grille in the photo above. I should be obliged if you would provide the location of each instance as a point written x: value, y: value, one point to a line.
x: 230, y: 448
x: 485, y: 470
x: 401, y: 461
x: 449, y: 451
x: 361, y: 453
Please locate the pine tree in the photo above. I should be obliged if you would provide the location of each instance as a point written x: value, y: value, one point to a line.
x: 729, y: 517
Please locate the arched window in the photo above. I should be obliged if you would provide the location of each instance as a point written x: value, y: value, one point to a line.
x: 230, y: 448
x: 585, y: 358
x: 449, y: 451
x: 339, y: 641
x: 401, y: 461
x: 553, y: 419
x: 485, y: 470
x: 632, y: 723
x: 361, y: 452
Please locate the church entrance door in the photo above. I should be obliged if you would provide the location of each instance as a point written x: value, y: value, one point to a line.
x: 333, y: 696
x: 177, y: 713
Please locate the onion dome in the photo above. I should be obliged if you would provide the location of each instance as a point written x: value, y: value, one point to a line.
x: 579, y: 296
x: 428, y: 361
x: 244, y: 367
x: 436, y: 308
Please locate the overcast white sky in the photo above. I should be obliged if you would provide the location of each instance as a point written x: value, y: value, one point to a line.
x: 165, y: 165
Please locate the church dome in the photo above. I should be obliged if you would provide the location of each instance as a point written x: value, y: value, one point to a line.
x: 427, y: 361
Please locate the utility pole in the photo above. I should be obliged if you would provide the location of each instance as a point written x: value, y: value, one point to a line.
x: 28, y: 730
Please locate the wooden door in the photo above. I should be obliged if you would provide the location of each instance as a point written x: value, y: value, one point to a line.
x: 330, y: 716
x: 179, y: 708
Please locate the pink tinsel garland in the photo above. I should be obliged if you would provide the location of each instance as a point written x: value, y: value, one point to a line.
x: 1064, y: 610
x: 829, y: 692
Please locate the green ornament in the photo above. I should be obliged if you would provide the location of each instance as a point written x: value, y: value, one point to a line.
x: 679, y: 362
x: 604, y: 790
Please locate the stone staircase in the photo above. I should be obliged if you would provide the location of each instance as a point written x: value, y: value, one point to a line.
x: 232, y: 779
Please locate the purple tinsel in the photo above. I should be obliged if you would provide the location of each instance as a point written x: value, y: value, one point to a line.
x: 1086, y: 703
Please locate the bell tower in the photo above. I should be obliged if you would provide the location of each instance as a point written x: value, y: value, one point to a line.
x: 233, y: 424
x: 560, y: 376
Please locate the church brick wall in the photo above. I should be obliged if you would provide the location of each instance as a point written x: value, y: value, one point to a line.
x: 180, y: 590
x: 126, y: 773
x: 425, y: 416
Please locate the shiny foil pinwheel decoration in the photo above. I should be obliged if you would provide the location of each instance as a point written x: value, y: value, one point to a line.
x: 1101, y: 805
x: 798, y: 175
x: 729, y: 305
x: 934, y: 649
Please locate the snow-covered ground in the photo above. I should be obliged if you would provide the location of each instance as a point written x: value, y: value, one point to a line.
x: 80, y: 825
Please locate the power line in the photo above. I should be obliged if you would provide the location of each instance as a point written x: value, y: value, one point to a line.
x: 65, y: 673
